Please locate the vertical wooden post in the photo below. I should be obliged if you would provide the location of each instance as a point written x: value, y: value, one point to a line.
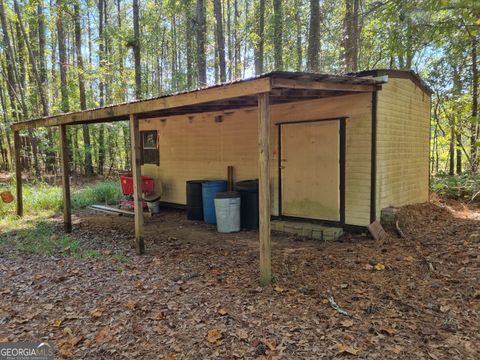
x: 18, y: 172
x: 137, y: 182
x: 264, y: 188
x: 67, y: 209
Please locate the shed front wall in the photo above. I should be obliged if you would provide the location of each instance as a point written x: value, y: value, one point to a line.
x: 197, y: 147
x: 403, y: 136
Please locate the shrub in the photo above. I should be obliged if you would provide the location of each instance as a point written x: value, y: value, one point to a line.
x: 463, y: 186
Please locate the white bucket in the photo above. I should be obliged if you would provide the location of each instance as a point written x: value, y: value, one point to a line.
x: 154, y: 206
x: 227, y: 211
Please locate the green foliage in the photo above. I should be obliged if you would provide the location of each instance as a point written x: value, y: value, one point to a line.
x: 41, y: 197
x: 102, y: 192
x: 121, y: 258
x: 40, y: 238
x: 463, y: 186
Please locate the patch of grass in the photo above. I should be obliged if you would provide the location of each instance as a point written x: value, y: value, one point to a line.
x: 41, y: 197
x: 121, y: 258
x: 40, y: 238
x: 33, y: 233
x: 92, y: 254
x: 102, y: 192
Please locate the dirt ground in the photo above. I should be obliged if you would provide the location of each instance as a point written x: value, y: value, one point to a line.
x: 195, y: 294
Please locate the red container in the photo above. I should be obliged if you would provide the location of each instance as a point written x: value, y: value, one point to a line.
x: 127, y: 184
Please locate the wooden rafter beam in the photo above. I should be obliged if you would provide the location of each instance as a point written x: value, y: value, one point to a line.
x: 123, y: 111
x: 319, y: 85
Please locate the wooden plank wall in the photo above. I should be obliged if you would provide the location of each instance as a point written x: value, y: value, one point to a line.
x: 402, y: 144
x: 213, y: 146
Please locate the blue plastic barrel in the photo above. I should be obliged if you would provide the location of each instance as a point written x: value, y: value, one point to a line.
x: 209, y: 189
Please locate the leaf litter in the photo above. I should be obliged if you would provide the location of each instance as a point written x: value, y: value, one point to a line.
x: 195, y: 294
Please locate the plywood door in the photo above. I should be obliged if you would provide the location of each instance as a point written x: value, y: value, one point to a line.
x: 310, y: 170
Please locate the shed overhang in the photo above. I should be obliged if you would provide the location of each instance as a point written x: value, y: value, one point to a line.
x: 282, y: 87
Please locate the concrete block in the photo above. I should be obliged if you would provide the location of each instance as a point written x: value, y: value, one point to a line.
x: 330, y: 234
x: 306, y: 231
x: 317, y: 234
x: 388, y: 216
x: 277, y: 225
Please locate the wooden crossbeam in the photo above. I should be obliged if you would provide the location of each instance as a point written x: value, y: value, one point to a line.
x: 123, y: 111
x: 317, y: 85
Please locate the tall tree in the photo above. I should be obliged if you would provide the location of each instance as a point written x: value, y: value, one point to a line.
x: 62, y: 55
x: 200, y: 32
x: 260, y: 41
x: 220, y: 37
x: 313, y: 63
x: 136, y: 49
x: 101, y: 84
x: 475, y: 124
x: 81, y: 88
x: 49, y: 151
x: 33, y: 61
x: 351, y: 35
x: 278, y: 34
x: 298, y: 42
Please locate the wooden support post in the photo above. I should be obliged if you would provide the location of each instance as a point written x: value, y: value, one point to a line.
x: 67, y: 209
x: 264, y: 188
x: 137, y: 182
x: 18, y: 172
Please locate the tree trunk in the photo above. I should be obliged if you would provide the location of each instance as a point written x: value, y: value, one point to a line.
x: 298, y: 43
x: 50, y: 153
x: 190, y: 24
x: 101, y: 52
x: 62, y: 54
x: 458, y: 140
x: 81, y: 86
x: 14, y: 87
x: 451, y: 151
x: 351, y: 35
x: 474, y: 127
x: 201, y: 39
x: 314, y: 37
x: 136, y: 50
x: 277, y: 34
x: 236, y: 42
x: 101, y: 86
x: 33, y: 61
x: 107, y: 50
x: 8, y: 146
x: 260, y: 38
x: 217, y: 8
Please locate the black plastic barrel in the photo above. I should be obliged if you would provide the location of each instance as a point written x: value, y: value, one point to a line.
x: 248, y: 190
x: 194, y: 200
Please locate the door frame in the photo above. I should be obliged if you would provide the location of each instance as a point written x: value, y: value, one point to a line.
x: 342, y: 157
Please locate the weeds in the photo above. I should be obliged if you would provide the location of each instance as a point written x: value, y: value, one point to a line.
x: 33, y: 233
x: 43, y: 197
x: 40, y: 238
x: 463, y: 186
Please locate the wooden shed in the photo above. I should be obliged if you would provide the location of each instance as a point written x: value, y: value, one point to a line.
x: 326, y: 148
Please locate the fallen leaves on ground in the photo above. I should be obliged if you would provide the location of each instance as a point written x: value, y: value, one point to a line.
x: 195, y: 294
x: 346, y: 349
x: 103, y: 335
x: 98, y: 312
x: 213, y: 335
